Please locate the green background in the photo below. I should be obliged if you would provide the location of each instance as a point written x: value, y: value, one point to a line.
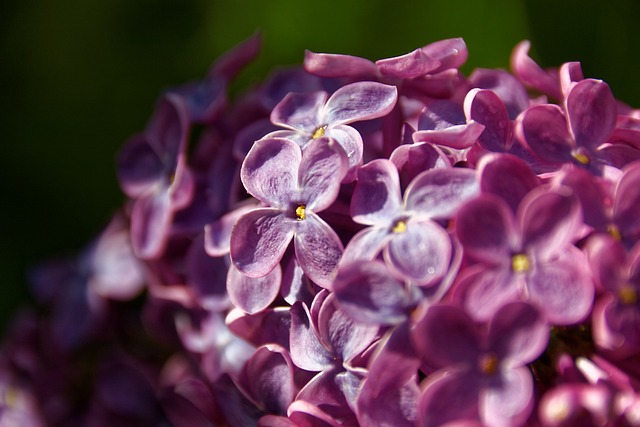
x: 78, y: 77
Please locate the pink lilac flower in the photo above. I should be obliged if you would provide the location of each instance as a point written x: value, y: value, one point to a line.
x: 482, y: 370
x: 528, y: 256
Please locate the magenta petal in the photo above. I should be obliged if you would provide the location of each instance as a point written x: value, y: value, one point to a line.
x: 347, y: 338
x: 570, y: 74
x: 150, y: 223
x: 250, y: 294
x: 439, y: 193
x: 448, y: 396
x: 413, y: 159
x: 234, y: 60
x: 323, y: 166
x: 335, y: 65
x: 446, y: 336
x: 376, y: 197
x: 408, y: 66
x: 359, y: 101
x: 421, y: 253
x: 493, y: 168
x: 626, y: 206
x: 510, y: 402
x: 324, y: 392
x: 488, y: 290
x: 484, y: 107
x: 487, y: 230
x: 590, y: 191
x: 306, y: 414
x: 518, y: 334
x: 549, y: 219
x: 299, y: 111
x: 367, y: 293
x: 531, y: 74
x: 351, y: 142
x: 562, y: 289
x: 591, y: 109
x: 451, y: 53
x: 259, y: 239
x: 544, y: 129
x: 318, y: 249
x: 458, y: 137
x: 270, y: 171
x: 608, y: 260
x: 307, y: 352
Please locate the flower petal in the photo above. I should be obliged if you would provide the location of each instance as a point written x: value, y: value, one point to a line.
x: 626, y: 205
x: 408, y: 66
x: 300, y: 111
x: 493, y: 168
x: 485, y: 107
x: 318, y: 249
x: 150, y: 223
x: 259, y: 240
x: 366, y: 244
x: 591, y: 109
x: 376, y: 197
x: 484, y: 291
x: 438, y: 193
x: 139, y: 167
x: 335, y: 65
x: 447, y: 397
x: 421, y: 253
x: 250, y: 294
x: 270, y: 171
x: 307, y: 352
x: 510, y: 401
x: 359, y: 101
x: 323, y: 166
x: 544, y: 129
x: 531, y: 74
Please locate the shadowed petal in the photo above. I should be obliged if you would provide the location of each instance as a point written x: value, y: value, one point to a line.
x: 270, y: 171
x: 359, y: 101
x: 544, y: 129
x: 259, y: 240
x: 307, y: 352
x: 351, y: 142
x: 366, y: 244
x: 493, y: 168
x: 336, y: 65
x: 139, y: 167
x: 448, y: 396
x: 150, y: 223
x: 376, y: 198
x: 421, y: 253
x: 626, y: 206
x: 484, y: 107
x: 591, y: 109
x: 486, y: 291
x: 253, y: 294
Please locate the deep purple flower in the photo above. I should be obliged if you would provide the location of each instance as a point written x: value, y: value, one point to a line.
x: 406, y: 230
x: 528, y: 256
x: 153, y: 172
x: 482, y: 372
x: 295, y: 186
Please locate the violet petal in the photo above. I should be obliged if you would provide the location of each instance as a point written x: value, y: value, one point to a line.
x: 591, y: 109
x: 253, y: 294
x: 359, y: 101
x: 318, y: 249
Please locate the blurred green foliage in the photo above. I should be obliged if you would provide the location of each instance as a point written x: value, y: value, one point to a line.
x: 78, y: 77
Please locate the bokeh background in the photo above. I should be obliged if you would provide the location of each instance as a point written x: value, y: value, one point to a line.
x: 78, y: 77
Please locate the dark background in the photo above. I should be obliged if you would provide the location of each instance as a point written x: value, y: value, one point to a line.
x: 78, y: 77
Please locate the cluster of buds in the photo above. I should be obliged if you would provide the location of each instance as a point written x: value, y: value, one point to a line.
x: 353, y: 243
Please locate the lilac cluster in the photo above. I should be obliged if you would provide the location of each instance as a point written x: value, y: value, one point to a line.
x: 353, y: 243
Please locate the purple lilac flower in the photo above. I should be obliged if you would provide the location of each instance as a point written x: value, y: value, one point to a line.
x: 295, y: 186
x: 529, y: 256
x: 309, y: 116
x: 406, y: 230
x: 483, y: 374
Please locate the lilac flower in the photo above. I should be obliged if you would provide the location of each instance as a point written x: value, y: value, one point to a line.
x: 530, y: 73
x: 483, y: 374
x: 152, y: 170
x: 406, y: 230
x: 309, y: 116
x: 528, y: 256
x: 575, y: 134
x: 295, y: 186
x: 616, y: 316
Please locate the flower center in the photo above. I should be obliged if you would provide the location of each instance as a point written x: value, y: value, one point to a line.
x: 488, y: 363
x: 614, y: 232
x: 400, y: 226
x: 581, y: 158
x: 301, y: 212
x: 319, y: 132
x: 627, y: 295
x: 520, y: 263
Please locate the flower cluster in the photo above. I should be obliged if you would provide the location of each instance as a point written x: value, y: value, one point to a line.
x: 353, y: 243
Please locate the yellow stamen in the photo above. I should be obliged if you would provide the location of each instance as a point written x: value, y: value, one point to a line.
x: 583, y: 159
x: 399, y: 227
x: 614, y: 232
x: 319, y: 132
x: 627, y: 295
x: 301, y: 212
x: 488, y: 364
x: 520, y: 263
